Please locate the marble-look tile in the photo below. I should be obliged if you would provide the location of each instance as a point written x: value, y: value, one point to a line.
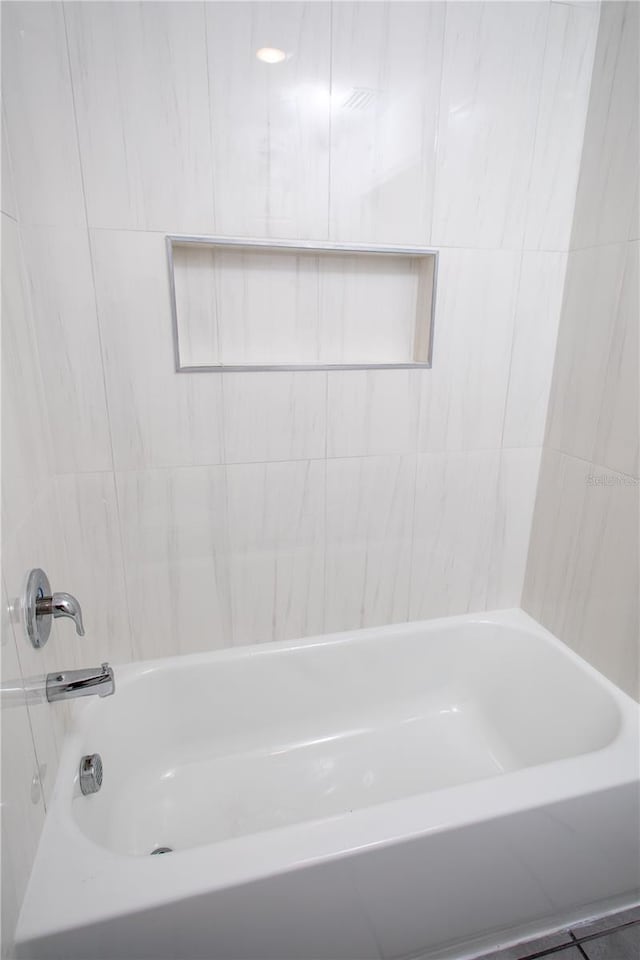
x: 634, y: 228
x: 456, y: 501
x: 603, y: 617
x: 492, y: 69
x: 38, y: 542
x: 141, y: 90
x: 274, y: 416
x: 276, y: 550
x: 368, y: 541
x: 564, y: 98
x: 158, y: 418
x: 618, y: 432
x: 194, y: 277
x: 517, y: 485
x: 619, y: 945
x: 94, y: 565
x: 583, y: 559
x: 464, y: 395
x: 25, y: 428
x: 271, y: 121
x: 385, y: 81
x: 534, y: 346
x: 610, y: 153
x: 22, y: 802
x: 8, y: 203
x: 368, y: 308
x: 173, y: 529
x: 371, y: 412
x: 592, y: 291
x: 554, y: 538
x: 58, y: 264
x: 267, y: 307
x: 40, y: 115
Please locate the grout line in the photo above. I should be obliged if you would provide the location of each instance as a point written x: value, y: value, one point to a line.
x: 122, y: 564
x: 330, y: 150
x: 549, y: 952
x: 436, y: 139
x: 604, y: 933
x: 210, y: 105
x: 433, y: 246
x: 575, y: 942
x: 408, y: 452
x: 592, y: 463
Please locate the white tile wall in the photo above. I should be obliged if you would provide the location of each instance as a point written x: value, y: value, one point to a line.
x: 564, y: 95
x: 25, y: 433
x: 491, y: 80
x: 610, y: 156
x: 22, y: 802
x: 592, y: 292
x: 8, y: 202
x: 372, y: 412
x: 516, y: 496
x: 157, y: 419
x: 369, y: 536
x: 274, y: 416
x: 141, y: 95
x: 534, y: 344
x: 173, y: 526
x: 582, y: 571
x: 40, y: 117
x: 276, y: 549
x: 464, y: 395
x: 456, y: 502
x: 64, y: 311
x: 386, y: 61
x: 276, y: 546
x: 270, y: 125
x: 37, y: 542
x: 88, y: 509
x: 618, y: 432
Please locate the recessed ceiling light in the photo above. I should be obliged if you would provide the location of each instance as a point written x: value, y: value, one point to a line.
x: 270, y: 55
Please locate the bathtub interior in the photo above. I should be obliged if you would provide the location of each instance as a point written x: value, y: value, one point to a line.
x: 208, y: 748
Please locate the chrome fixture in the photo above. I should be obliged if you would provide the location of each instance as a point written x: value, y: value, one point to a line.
x: 40, y: 605
x: 81, y: 683
x: 90, y: 773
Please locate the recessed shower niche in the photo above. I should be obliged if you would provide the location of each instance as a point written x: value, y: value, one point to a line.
x: 242, y: 304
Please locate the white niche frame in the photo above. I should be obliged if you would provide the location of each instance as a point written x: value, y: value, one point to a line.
x: 423, y: 335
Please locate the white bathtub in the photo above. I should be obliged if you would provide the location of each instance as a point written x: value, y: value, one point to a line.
x: 429, y: 789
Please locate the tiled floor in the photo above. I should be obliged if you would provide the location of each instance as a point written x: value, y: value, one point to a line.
x: 616, y: 937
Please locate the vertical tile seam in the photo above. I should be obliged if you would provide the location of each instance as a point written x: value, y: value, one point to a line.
x: 330, y: 164
x: 210, y: 115
x: 36, y: 752
x: 123, y: 569
x: 436, y: 141
x: 501, y: 459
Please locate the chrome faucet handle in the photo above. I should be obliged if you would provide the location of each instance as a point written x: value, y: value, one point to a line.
x: 41, y: 605
x: 61, y: 605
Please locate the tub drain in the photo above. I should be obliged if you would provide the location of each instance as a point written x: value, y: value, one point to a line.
x: 161, y: 850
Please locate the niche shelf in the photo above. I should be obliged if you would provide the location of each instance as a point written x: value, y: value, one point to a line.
x: 239, y: 304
